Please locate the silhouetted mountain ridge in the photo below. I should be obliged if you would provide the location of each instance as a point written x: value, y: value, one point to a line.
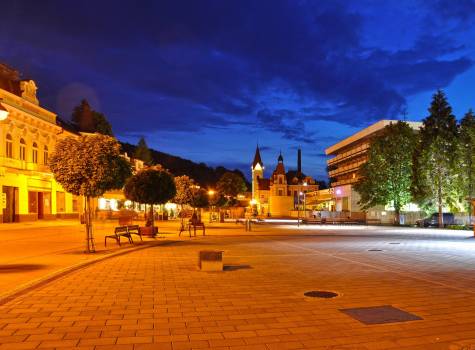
x: 204, y: 175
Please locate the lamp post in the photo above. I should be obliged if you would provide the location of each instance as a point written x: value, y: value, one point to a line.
x: 3, y: 112
x: 210, y: 195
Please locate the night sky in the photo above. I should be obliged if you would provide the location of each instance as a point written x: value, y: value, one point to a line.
x: 207, y: 80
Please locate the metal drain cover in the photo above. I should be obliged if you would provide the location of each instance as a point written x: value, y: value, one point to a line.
x: 380, y: 314
x: 320, y: 294
x: 375, y: 250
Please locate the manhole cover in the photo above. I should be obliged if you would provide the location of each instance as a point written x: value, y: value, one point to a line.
x: 394, y: 243
x: 375, y: 250
x: 380, y: 314
x: 320, y: 294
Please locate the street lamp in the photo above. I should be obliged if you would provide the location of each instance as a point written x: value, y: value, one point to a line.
x: 211, y: 194
x: 3, y: 112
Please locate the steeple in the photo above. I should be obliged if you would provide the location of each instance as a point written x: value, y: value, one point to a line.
x: 280, y: 159
x: 257, y: 158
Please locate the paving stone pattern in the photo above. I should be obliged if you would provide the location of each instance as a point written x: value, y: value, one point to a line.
x: 156, y: 298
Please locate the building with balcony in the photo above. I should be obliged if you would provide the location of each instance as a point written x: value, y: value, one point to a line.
x: 347, y: 157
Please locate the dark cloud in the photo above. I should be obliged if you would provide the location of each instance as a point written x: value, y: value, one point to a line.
x: 191, y: 65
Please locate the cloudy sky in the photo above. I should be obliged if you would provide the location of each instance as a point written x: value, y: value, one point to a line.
x: 207, y: 80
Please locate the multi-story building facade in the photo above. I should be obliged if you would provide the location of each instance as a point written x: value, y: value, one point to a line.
x: 283, y: 192
x: 348, y: 156
x: 28, y: 134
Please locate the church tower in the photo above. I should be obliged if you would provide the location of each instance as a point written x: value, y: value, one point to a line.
x: 257, y: 173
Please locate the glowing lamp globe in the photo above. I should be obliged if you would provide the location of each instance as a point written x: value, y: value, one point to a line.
x: 3, y: 113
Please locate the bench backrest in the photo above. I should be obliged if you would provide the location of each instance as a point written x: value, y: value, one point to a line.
x: 133, y: 228
x: 120, y: 229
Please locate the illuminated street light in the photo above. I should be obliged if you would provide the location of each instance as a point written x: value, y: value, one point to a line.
x: 211, y: 193
x: 3, y: 112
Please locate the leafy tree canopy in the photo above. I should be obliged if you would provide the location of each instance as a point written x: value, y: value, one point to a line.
x: 467, y: 156
x: 150, y: 186
x: 435, y: 158
x: 231, y: 184
x: 89, y: 165
x: 88, y: 120
x: 142, y: 152
x: 184, y: 190
x: 386, y: 176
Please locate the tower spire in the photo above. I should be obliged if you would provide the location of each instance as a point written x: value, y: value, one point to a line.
x: 257, y: 158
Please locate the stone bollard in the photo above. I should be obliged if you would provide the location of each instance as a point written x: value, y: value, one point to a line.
x: 211, y: 260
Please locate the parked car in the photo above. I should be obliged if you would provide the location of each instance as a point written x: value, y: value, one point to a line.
x: 433, y: 220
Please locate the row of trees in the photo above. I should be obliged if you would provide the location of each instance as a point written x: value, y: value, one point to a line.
x: 434, y: 167
x: 91, y: 165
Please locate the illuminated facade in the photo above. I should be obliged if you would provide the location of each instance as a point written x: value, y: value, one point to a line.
x: 27, y: 136
x: 280, y: 194
x: 348, y: 156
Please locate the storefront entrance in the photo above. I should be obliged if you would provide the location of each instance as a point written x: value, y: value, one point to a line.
x: 10, y: 212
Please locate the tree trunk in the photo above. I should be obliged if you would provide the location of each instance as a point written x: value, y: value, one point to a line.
x: 90, y: 246
x: 152, y: 220
x: 439, y: 202
x: 397, y: 211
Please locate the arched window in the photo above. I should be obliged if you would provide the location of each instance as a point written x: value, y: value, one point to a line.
x: 45, y: 155
x: 34, y: 153
x: 22, y: 149
x: 9, y: 146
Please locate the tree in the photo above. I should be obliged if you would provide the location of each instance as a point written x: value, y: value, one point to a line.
x: 434, y: 171
x: 89, y: 166
x: 150, y: 186
x: 184, y: 194
x: 386, y: 176
x: 143, y: 153
x: 467, y: 157
x: 88, y: 120
x: 231, y: 184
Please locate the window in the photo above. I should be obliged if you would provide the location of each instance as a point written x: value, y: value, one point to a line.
x: 45, y: 155
x: 280, y: 192
x: 280, y: 180
x: 60, y: 202
x: 22, y: 149
x: 9, y: 146
x: 34, y: 153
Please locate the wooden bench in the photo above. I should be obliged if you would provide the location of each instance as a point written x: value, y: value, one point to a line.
x: 196, y: 225
x: 120, y: 231
x: 135, y: 230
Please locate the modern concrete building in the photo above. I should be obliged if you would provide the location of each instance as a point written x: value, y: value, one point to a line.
x: 347, y: 157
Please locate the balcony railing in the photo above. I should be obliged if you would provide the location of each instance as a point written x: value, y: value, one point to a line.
x: 346, y: 169
x: 349, y: 154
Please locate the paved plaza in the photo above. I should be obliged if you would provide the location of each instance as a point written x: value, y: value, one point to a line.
x: 156, y: 298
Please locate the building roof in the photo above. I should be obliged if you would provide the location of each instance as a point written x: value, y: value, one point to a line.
x: 365, y: 133
x: 257, y: 158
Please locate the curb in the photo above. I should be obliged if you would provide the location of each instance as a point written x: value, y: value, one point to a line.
x: 32, y: 285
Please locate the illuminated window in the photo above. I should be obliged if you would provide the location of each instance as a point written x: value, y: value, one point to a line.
x: 45, y: 155
x: 34, y: 153
x: 9, y: 146
x: 22, y: 149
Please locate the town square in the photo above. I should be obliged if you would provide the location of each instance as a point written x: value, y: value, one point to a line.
x: 237, y: 175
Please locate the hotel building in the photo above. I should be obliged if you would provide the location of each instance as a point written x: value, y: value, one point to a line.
x: 347, y: 157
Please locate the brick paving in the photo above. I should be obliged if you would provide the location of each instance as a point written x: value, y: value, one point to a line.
x: 157, y: 299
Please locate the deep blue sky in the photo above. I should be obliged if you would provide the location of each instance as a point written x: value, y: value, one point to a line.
x: 206, y: 80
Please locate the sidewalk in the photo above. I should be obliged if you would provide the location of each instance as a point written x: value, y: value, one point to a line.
x: 31, y: 252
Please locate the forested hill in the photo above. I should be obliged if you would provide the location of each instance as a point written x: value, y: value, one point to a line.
x: 206, y: 176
